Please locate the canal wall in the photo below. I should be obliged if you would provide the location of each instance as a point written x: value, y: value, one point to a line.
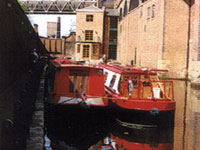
x: 17, y: 40
x: 20, y: 74
x: 35, y: 141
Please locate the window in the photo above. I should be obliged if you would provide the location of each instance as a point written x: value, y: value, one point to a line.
x: 125, y: 9
x: 105, y: 76
x: 88, y: 35
x: 89, y: 18
x: 112, y: 52
x: 79, y: 82
x: 86, y: 51
x: 113, y: 22
x: 113, y: 36
x: 133, y: 4
x: 153, y: 11
x: 120, y: 14
x: 112, y: 82
x: 141, y: 12
x: 94, y: 49
x: 78, y: 48
x: 148, y: 12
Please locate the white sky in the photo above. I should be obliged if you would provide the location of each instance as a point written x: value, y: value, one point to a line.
x: 68, y: 22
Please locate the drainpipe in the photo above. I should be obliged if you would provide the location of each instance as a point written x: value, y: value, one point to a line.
x: 188, y: 42
x: 164, y: 20
x: 58, y: 28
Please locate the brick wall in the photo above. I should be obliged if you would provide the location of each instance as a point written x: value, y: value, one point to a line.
x: 194, y: 63
x: 96, y: 26
x: 176, y: 37
x: 155, y: 31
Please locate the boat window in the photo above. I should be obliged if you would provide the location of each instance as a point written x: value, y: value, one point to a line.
x: 126, y: 78
x: 130, y: 87
x: 112, y: 81
x: 135, y: 80
x: 105, y: 76
x: 146, y: 83
x: 78, y: 81
x: 153, y: 77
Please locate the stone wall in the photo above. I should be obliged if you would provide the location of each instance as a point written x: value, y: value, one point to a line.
x: 36, y: 136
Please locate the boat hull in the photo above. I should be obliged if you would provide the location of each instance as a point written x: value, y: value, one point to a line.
x: 152, y: 117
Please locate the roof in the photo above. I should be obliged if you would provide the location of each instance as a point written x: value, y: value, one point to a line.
x: 90, y: 8
x: 67, y: 63
x: 127, y: 69
x: 112, y: 12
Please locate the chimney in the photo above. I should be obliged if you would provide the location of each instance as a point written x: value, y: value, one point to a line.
x: 58, y: 27
x: 99, y: 3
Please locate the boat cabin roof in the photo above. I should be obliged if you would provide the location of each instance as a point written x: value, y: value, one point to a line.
x: 67, y: 63
x: 127, y: 69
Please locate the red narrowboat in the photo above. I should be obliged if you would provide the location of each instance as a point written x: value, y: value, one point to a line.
x: 143, y: 139
x: 123, y: 138
x: 139, y: 96
x: 71, y: 83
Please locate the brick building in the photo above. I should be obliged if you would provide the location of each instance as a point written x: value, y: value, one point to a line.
x: 89, y: 33
x: 96, y: 33
x: 60, y: 47
x: 155, y: 34
x: 110, y: 33
x: 194, y: 55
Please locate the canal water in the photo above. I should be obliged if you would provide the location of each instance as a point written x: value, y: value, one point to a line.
x: 98, y: 130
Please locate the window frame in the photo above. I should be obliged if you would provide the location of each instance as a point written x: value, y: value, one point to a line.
x: 86, y: 51
x: 89, y: 18
x: 153, y: 7
x: 88, y: 35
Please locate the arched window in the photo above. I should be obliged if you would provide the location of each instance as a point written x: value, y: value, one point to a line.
x: 133, y: 4
x: 120, y: 15
x: 125, y: 8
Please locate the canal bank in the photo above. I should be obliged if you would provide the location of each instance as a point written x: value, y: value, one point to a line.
x: 35, y: 141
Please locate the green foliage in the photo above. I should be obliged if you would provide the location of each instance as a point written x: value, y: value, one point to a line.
x: 23, y: 6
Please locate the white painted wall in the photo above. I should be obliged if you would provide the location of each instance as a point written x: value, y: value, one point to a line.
x: 68, y: 22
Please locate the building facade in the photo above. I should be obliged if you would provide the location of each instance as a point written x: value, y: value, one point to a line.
x: 89, y: 33
x: 194, y: 54
x: 96, y: 33
x: 110, y: 34
x: 154, y: 34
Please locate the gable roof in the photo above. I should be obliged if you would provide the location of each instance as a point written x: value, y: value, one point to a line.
x: 90, y: 8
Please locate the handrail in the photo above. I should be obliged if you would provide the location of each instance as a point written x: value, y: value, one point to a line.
x: 167, y: 92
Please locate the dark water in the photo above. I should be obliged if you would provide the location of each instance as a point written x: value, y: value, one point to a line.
x: 97, y: 130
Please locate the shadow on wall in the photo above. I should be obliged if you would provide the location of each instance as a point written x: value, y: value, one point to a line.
x: 17, y: 40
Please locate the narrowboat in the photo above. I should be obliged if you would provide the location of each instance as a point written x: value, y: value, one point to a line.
x: 75, y: 84
x: 139, y: 96
x: 143, y: 139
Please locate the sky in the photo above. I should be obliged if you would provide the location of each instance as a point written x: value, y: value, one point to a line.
x: 68, y: 23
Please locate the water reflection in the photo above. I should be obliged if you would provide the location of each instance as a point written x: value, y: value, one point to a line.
x: 77, y: 129
x: 187, y: 117
x: 97, y: 130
